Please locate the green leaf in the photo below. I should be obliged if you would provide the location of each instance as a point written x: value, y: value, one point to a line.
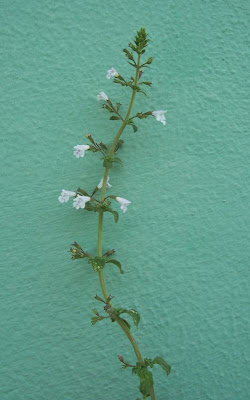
x: 163, y: 364
x: 107, y: 163
x: 146, y: 381
x: 149, y: 362
x: 118, y: 105
x: 134, y: 315
x: 118, y: 264
x: 114, y: 117
x: 97, y: 263
x: 118, y: 160
x: 115, y: 214
x: 83, y: 192
x: 135, y: 129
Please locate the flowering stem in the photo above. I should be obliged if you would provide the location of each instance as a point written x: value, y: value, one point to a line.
x: 120, y: 322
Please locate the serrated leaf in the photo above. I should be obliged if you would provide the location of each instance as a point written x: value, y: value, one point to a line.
x: 114, y: 117
x: 118, y: 160
x: 163, y: 364
x: 146, y: 381
x: 97, y: 263
x: 134, y: 315
x: 117, y: 263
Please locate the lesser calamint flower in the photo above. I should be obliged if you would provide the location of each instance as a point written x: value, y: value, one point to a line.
x: 159, y: 115
x: 80, y: 201
x: 65, y: 196
x: 80, y: 150
x: 102, y: 96
x: 124, y: 203
x: 112, y: 73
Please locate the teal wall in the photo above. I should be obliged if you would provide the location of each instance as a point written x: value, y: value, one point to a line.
x: 183, y: 242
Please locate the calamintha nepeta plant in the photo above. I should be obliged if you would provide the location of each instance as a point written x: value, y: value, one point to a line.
x: 101, y: 205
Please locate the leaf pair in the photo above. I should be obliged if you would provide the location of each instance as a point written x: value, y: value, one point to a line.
x: 108, y: 161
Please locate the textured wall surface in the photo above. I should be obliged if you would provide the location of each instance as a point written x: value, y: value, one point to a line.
x: 184, y: 241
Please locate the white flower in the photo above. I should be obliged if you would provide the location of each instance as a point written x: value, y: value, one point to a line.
x: 107, y: 184
x: 124, y: 203
x: 80, y: 201
x: 102, y: 96
x: 65, y: 196
x: 159, y: 115
x: 112, y: 72
x: 80, y: 150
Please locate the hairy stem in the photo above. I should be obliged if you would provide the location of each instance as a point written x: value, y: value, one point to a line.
x: 120, y: 322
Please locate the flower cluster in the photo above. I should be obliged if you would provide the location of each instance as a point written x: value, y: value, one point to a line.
x: 81, y: 200
x: 78, y: 202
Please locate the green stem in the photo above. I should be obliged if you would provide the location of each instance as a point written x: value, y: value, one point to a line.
x: 120, y: 322
x: 152, y: 393
x: 131, y: 338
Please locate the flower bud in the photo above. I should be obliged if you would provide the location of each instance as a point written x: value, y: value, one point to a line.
x: 89, y: 137
x: 120, y: 358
